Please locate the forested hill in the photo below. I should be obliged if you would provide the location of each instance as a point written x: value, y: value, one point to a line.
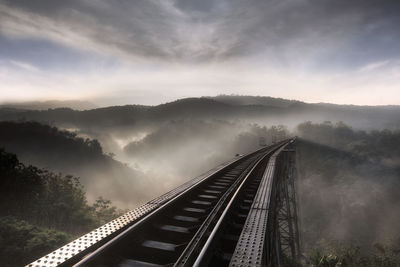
x: 45, y: 146
x: 41, y: 211
x: 62, y: 151
x: 42, y: 105
x: 262, y: 109
x: 348, y: 205
x: 254, y: 100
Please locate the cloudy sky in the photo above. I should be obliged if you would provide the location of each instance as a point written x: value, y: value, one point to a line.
x: 153, y: 51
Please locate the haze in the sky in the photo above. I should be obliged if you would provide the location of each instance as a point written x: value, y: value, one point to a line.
x: 153, y: 51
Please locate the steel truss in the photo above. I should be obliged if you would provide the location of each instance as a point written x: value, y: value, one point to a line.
x: 283, y: 239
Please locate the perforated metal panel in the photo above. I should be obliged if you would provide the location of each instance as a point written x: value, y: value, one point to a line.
x: 88, y: 242
x: 250, y: 247
x: 82, y: 244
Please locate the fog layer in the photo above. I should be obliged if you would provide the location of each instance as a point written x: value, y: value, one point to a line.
x: 348, y: 176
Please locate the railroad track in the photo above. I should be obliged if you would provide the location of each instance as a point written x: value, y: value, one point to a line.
x: 199, y: 223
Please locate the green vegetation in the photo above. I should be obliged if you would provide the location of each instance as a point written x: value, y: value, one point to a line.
x: 57, y: 150
x: 21, y: 242
x: 348, y: 192
x: 249, y: 108
x: 41, y: 210
x: 349, y: 181
x: 350, y: 255
x: 31, y: 138
x: 376, y: 145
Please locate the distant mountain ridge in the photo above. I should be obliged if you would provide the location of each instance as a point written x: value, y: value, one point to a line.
x: 254, y: 100
x: 43, y: 105
x: 281, y: 102
x: 266, y: 110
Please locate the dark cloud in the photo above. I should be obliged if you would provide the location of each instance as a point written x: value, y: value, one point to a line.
x: 136, y: 28
x: 351, y: 31
x: 45, y: 7
x: 195, y: 5
x: 346, y: 32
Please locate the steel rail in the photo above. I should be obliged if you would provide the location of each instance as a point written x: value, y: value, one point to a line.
x: 250, y: 248
x: 193, y: 245
x: 73, y: 251
x: 123, y: 235
x: 114, y: 242
x: 206, y: 247
x: 200, y: 260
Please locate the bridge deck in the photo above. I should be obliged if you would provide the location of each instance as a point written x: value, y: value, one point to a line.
x: 249, y: 250
x: 175, y: 227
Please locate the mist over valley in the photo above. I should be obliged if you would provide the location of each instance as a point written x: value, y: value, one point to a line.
x: 179, y: 132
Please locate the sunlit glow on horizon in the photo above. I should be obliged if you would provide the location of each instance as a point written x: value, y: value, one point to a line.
x: 110, y: 55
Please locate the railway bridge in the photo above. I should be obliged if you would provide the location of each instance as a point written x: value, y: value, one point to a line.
x: 241, y: 213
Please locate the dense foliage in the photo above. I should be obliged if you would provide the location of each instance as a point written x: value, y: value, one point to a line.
x: 348, y: 191
x: 42, y: 197
x: 40, y: 210
x: 21, y: 242
x: 58, y: 150
x: 263, y: 109
x: 377, y: 145
x: 349, y: 255
x: 27, y: 138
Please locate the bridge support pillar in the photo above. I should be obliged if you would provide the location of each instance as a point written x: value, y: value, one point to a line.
x: 284, y: 224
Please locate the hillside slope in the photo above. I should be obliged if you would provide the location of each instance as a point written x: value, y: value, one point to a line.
x: 263, y: 110
x: 346, y: 196
x: 61, y: 151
